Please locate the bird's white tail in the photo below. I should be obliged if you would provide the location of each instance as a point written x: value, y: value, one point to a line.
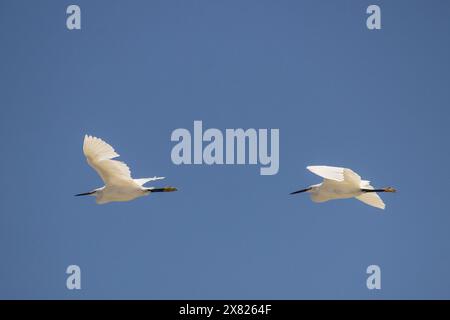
x: 143, y: 181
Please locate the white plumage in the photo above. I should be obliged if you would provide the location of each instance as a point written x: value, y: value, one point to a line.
x: 343, y: 183
x: 119, y: 185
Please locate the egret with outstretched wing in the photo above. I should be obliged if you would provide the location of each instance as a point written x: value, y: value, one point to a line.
x: 343, y: 183
x: 119, y: 185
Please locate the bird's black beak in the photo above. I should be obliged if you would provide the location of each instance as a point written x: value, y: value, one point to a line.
x: 300, y: 191
x: 85, y: 194
x: 166, y: 189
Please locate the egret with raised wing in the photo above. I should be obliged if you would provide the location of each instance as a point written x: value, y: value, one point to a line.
x: 119, y: 185
x: 343, y: 183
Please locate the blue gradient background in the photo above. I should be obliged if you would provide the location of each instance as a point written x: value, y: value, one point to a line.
x: 374, y: 101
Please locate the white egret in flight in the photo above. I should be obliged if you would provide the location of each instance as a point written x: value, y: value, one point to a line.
x: 343, y: 183
x: 119, y: 186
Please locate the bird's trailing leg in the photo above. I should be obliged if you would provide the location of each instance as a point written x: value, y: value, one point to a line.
x: 388, y: 189
x: 166, y: 189
x: 300, y: 191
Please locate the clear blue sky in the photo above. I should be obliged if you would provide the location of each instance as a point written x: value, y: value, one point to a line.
x: 374, y: 101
